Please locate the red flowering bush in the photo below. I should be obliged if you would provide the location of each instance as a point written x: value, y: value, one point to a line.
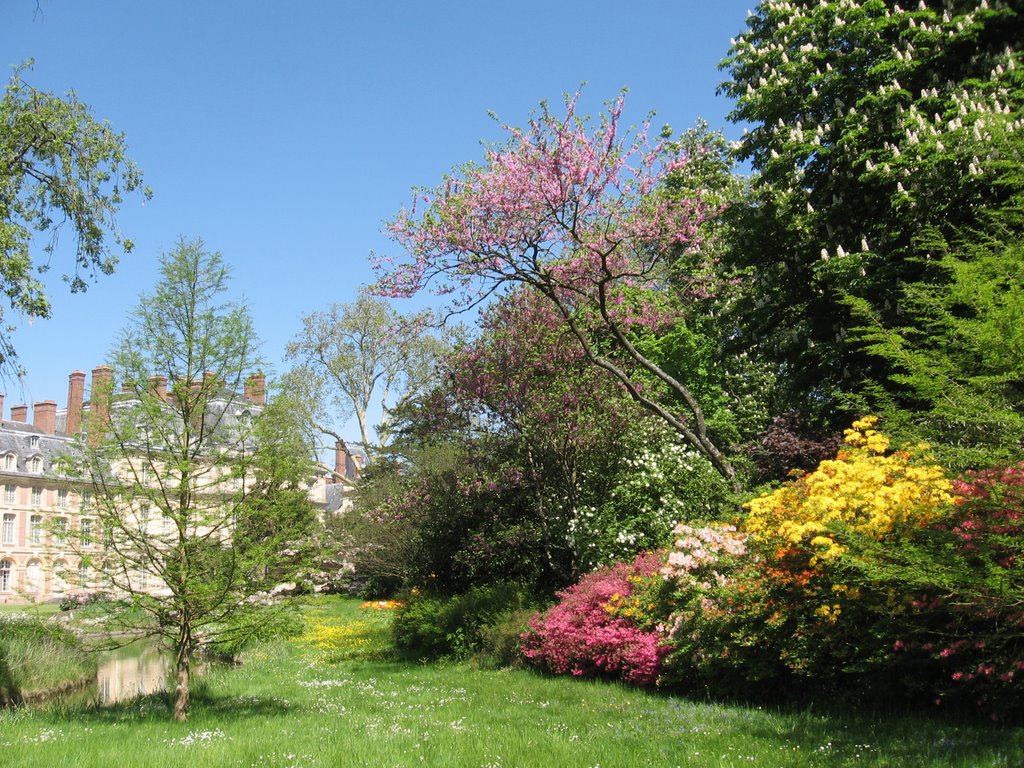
x: 586, y: 633
x: 966, y: 622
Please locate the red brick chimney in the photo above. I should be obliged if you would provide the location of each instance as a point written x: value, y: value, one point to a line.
x: 44, y: 416
x: 76, y: 399
x: 99, y: 402
x: 340, y: 459
x: 256, y: 389
x: 19, y: 413
x: 158, y: 384
x: 1, y: 406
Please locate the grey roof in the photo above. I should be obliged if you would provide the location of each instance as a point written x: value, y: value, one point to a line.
x: 17, y: 437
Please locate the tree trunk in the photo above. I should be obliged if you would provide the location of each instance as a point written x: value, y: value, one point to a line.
x: 181, y: 690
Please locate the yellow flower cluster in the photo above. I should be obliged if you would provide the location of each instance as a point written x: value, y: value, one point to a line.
x: 383, y: 605
x: 335, y: 637
x: 865, y: 489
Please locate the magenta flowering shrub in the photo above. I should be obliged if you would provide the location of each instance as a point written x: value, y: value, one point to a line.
x: 586, y: 633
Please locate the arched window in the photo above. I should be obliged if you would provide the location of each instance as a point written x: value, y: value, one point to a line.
x: 33, y: 576
x: 10, y: 461
x: 37, y: 464
x: 5, y: 575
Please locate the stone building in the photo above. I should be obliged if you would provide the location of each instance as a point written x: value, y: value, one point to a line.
x: 50, y: 542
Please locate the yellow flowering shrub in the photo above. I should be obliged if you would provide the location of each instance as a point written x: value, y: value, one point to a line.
x: 866, y: 489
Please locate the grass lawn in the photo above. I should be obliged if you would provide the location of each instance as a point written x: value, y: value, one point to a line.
x: 333, y: 698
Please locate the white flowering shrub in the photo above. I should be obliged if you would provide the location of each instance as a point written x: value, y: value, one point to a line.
x: 662, y: 483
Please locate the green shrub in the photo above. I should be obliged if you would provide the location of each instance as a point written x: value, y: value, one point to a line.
x: 433, y: 627
x: 500, y: 641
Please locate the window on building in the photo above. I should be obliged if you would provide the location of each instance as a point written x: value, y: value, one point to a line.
x: 37, y: 497
x: 7, y: 535
x: 33, y: 576
x: 60, y: 532
x: 33, y: 441
x: 5, y: 575
x: 144, y: 474
x: 83, y: 575
x: 10, y: 461
x: 37, y: 464
x: 85, y: 532
x: 62, y: 498
x: 10, y: 494
x: 144, y: 517
x: 60, y: 577
x: 86, y: 499
x: 35, y: 529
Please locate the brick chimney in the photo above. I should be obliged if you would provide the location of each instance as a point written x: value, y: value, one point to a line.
x: 158, y: 385
x: 256, y: 389
x: 76, y: 399
x: 19, y: 413
x: 99, y: 402
x: 340, y: 460
x: 44, y: 416
x: 1, y: 406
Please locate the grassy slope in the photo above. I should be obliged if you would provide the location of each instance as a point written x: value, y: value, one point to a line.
x: 332, y: 698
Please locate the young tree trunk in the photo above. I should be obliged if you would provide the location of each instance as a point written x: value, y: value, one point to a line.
x: 181, y: 690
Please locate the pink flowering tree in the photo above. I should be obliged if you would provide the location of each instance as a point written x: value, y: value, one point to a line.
x: 583, y: 215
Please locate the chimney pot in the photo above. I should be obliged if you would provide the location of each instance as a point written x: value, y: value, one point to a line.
x: 44, y: 416
x: 255, y: 389
x: 76, y: 400
x: 99, y: 402
x: 340, y: 459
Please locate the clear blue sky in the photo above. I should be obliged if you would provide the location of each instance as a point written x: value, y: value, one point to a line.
x: 285, y: 133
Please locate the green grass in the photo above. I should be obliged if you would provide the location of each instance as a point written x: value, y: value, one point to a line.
x: 37, y: 656
x: 333, y: 697
x: 41, y: 610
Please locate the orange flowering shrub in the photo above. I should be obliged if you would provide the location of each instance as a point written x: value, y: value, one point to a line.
x: 866, y: 489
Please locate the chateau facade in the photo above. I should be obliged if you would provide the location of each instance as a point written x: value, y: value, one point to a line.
x: 50, y: 542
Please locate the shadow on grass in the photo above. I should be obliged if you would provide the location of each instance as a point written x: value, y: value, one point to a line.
x: 902, y: 733
x: 158, y: 707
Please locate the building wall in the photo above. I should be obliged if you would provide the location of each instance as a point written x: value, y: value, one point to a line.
x: 37, y: 564
x: 40, y: 526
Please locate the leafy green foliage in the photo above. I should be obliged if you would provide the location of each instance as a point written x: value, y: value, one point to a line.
x: 871, y: 124
x: 59, y: 166
x: 959, y: 370
x: 431, y: 627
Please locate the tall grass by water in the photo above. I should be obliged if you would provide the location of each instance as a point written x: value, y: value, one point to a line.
x: 36, y: 656
x: 334, y: 696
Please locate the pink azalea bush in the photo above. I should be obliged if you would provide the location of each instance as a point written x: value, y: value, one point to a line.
x: 585, y: 634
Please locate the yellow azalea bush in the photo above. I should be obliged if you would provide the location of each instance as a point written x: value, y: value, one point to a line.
x: 867, y: 489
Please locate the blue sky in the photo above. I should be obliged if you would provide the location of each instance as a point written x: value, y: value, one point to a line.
x: 284, y: 134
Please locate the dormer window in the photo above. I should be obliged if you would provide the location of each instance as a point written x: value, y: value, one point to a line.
x: 33, y: 441
x: 10, y: 461
x: 36, y: 464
